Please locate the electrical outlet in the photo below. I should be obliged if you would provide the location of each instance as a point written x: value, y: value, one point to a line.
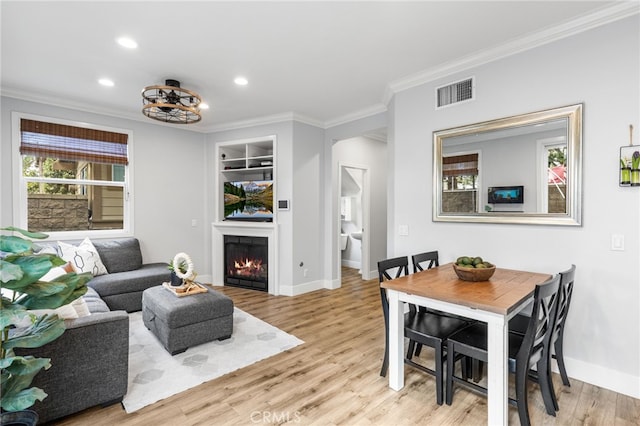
x: 194, y: 223
x: 617, y: 242
x: 306, y: 272
x: 403, y: 230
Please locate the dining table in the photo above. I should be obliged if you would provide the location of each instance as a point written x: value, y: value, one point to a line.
x: 494, y: 302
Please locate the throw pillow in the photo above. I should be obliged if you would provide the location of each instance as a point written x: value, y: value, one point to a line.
x: 54, y: 273
x: 83, y: 258
x: 81, y: 307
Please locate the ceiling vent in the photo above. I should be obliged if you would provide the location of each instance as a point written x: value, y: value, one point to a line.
x: 454, y: 93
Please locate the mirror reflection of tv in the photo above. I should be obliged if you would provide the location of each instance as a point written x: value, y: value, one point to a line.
x: 505, y: 195
x: 248, y: 200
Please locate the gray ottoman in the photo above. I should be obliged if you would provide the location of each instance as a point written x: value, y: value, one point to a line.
x: 181, y: 322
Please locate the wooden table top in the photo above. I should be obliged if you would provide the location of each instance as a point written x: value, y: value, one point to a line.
x: 505, y: 290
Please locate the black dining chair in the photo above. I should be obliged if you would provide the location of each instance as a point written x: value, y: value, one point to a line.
x: 518, y: 325
x: 423, y: 328
x: 524, y: 351
x: 429, y: 259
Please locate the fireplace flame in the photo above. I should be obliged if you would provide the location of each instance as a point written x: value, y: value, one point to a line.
x: 248, y: 267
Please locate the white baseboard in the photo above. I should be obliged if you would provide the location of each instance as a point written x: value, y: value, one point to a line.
x: 601, y: 376
x: 351, y: 263
x: 208, y: 279
x: 295, y: 290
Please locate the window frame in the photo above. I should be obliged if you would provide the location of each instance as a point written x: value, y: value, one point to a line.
x: 20, y: 196
x: 478, y: 176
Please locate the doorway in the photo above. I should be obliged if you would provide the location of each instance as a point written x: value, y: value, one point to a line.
x: 354, y: 218
x: 359, y: 198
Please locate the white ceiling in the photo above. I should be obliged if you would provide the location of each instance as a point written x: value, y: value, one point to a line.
x: 320, y: 62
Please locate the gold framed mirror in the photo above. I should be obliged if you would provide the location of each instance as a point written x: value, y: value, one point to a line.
x: 525, y: 169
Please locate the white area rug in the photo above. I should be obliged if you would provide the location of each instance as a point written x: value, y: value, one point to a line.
x: 154, y: 374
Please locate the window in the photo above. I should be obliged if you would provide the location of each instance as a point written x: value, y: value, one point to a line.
x: 552, y: 160
x: 460, y: 183
x: 72, y: 177
x: 460, y: 172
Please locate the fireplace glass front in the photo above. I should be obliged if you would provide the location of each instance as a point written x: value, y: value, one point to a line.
x: 246, y: 262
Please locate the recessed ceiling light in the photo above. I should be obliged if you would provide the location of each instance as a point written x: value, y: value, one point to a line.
x: 127, y: 42
x: 203, y: 105
x: 241, y: 81
x: 106, y: 82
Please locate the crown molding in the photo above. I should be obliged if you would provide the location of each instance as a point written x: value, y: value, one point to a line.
x: 604, y: 16
x: 357, y: 115
x: 265, y: 120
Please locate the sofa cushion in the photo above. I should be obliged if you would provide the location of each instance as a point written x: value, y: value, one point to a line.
x: 146, y: 276
x: 94, y: 302
x: 120, y: 254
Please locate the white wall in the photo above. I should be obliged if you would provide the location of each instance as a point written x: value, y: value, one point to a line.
x: 306, y: 207
x: 601, y: 69
x: 168, y: 179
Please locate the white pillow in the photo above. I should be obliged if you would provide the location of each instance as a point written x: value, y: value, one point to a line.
x: 83, y: 258
x: 81, y: 307
x: 53, y: 274
x: 65, y: 312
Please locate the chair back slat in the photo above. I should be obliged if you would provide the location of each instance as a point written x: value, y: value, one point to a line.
x: 564, y: 294
x: 541, y: 325
x: 387, y: 267
x: 401, y: 265
x: 418, y: 259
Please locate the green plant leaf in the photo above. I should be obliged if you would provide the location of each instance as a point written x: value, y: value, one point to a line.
x: 44, y: 288
x: 36, y: 235
x: 17, y: 374
x: 47, y: 328
x: 23, y: 399
x: 9, y: 271
x: 33, y: 267
x: 13, y: 244
x: 24, y: 365
x: 74, y: 287
x: 12, y: 314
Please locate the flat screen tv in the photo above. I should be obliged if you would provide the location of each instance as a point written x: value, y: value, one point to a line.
x: 249, y: 200
x: 505, y: 195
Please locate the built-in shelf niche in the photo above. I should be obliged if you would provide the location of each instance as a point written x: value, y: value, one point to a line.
x: 247, y: 159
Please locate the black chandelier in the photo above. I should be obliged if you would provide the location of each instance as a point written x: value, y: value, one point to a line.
x: 171, y: 104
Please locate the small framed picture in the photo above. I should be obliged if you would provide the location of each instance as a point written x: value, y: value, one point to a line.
x: 630, y: 165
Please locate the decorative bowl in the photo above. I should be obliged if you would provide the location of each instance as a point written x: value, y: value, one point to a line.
x: 474, y: 274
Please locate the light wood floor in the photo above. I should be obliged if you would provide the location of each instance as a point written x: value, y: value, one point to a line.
x: 333, y: 378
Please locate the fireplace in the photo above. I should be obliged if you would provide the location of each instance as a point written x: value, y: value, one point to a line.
x: 246, y: 262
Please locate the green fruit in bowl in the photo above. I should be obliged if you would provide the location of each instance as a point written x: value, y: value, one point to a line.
x: 464, y: 261
x: 473, y: 262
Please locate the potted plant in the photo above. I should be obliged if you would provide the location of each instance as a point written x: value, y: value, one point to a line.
x: 181, y: 267
x: 22, y: 290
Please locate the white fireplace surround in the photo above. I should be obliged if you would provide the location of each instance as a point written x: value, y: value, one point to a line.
x: 244, y: 229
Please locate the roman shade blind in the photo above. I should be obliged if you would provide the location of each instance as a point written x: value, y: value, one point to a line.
x: 460, y: 165
x: 70, y: 143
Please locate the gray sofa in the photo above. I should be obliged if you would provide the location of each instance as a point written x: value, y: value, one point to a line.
x: 128, y: 277
x: 90, y: 361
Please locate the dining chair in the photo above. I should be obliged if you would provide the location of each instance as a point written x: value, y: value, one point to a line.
x: 524, y: 351
x: 519, y: 323
x: 428, y: 260
x: 418, y: 259
x: 423, y: 328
